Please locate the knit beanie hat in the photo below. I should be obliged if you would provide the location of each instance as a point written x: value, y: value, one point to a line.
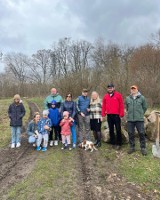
x: 65, y: 113
x: 53, y: 102
x: 45, y: 112
x: 16, y: 96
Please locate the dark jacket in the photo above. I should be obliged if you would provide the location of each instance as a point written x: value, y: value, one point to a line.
x: 69, y: 106
x: 16, y: 113
x: 32, y: 127
x: 136, y: 108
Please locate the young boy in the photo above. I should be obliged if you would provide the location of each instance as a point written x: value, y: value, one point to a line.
x: 44, y: 126
x: 55, y: 117
x: 16, y: 112
x: 65, y: 124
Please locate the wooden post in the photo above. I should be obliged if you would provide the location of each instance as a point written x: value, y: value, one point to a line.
x: 158, y: 128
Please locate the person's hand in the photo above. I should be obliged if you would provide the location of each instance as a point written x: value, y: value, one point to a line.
x: 101, y: 119
x: 88, y: 110
x: 71, y: 119
x: 46, y: 127
x: 82, y: 114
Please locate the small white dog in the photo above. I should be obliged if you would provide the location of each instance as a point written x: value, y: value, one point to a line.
x: 87, y: 145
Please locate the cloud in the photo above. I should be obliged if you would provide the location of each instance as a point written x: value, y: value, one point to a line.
x: 29, y: 25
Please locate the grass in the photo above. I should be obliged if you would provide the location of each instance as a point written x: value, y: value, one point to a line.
x: 5, y: 132
x: 39, y: 101
x: 54, y: 176
x: 142, y: 170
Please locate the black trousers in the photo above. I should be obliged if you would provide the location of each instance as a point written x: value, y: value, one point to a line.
x: 56, y: 130
x: 140, y: 128
x: 114, y: 121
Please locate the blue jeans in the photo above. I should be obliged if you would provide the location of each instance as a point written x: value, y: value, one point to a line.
x: 31, y: 139
x: 45, y: 140
x: 16, y: 133
x: 73, y: 131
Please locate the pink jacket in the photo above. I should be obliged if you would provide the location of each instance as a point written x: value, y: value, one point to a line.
x: 65, y: 127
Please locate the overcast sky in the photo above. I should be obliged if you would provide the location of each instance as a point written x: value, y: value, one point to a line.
x: 29, y: 25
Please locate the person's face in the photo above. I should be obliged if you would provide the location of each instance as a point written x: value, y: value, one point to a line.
x: 134, y: 91
x: 53, y: 105
x: 69, y: 97
x: 17, y: 100
x: 110, y: 90
x: 53, y: 91
x: 45, y: 116
x: 85, y: 93
x: 37, y: 118
x: 65, y: 117
x: 94, y: 95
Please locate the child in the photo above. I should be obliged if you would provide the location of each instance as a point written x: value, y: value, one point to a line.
x: 16, y: 112
x: 65, y: 124
x: 44, y: 126
x: 55, y: 117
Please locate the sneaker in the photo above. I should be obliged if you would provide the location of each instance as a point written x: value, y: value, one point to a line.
x: 18, y: 144
x: 74, y: 146
x: 62, y: 148
x: 44, y: 149
x: 34, y: 144
x: 143, y: 151
x: 38, y: 148
x: 131, y: 150
x: 55, y: 142
x: 69, y: 148
x: 12, y: 145
x: 98, y: 144
x: 51, y: 143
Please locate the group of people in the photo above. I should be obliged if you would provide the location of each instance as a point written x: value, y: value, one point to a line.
x: 68, y: 119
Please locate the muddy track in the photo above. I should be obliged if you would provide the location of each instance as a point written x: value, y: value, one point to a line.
x: 101, y: 181
x: 15, y: 164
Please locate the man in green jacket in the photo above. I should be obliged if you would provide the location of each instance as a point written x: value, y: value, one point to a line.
x: 53, y: 96
x: 136, y: 107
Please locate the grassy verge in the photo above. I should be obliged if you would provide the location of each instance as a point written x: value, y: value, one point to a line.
x: 5, y: 132
x: 142, y: 170
x: 52, y: 178
x: 39, y: 101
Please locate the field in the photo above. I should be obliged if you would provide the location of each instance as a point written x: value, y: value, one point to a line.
x: 77, y: 174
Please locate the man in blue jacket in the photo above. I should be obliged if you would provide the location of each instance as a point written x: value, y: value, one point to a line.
x: 83, y: 103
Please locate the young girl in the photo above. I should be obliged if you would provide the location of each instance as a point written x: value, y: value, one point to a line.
x: 65, y: 124
x: 16, y: 112
x: 44, y: 126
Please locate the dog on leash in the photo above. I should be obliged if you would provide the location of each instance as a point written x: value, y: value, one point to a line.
x: 87, y: 145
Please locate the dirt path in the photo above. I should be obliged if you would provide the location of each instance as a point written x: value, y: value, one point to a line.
x: 100, y: 180
x: 15, y: 164
x: 97, y: 177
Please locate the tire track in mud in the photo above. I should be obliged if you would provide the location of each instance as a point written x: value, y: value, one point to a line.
x: 15, y: 164
x: 85, y: 176
x: 103, y: 181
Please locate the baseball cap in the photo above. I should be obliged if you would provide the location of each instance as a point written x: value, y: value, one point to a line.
x: 134, y: 87
x: 110, y: 85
